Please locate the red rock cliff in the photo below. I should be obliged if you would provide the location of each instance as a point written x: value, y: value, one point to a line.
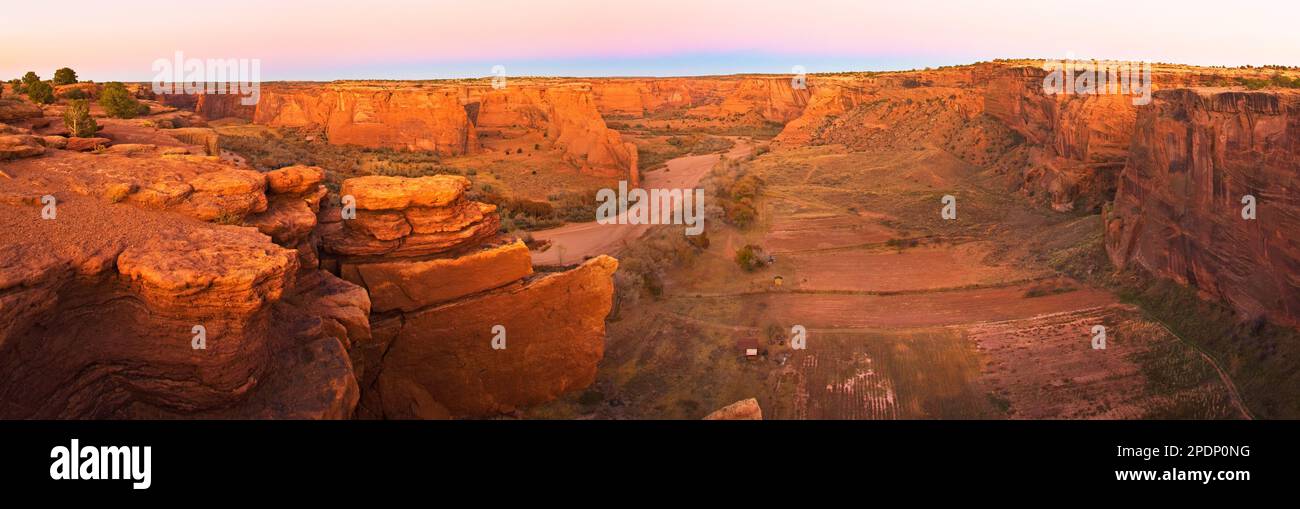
x: 1178, y: 211
x: 439, y: 291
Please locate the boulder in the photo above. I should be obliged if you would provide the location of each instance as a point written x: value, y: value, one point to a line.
x: 15, y: 146
x: 744, y: 410
x: 86, y: 144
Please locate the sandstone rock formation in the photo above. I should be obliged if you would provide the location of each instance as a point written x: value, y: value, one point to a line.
x: 1178, y: 211
x: 770, y: 98
x: 103, y: 302
x: 146, y: 282
x: 15, y: 146
x: 446, y: 119
x: 439, y: 285
x: 744, y: 410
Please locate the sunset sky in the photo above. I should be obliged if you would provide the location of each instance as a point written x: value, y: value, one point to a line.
x: 408, y: 39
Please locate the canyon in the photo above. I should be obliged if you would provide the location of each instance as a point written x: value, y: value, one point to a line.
x: 385, y: 305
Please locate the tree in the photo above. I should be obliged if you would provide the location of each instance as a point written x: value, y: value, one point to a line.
x: 118, y: 102
x: 30, y: 78
x: 78, y: 120
x: 65, y: 76
x: 40, y: 92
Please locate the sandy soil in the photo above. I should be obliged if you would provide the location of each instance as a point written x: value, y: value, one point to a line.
x: 573, y: 243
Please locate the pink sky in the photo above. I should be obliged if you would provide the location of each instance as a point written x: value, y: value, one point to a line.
x: 326, y: 39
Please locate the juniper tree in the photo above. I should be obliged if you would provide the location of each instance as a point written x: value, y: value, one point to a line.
x: 78, y: 120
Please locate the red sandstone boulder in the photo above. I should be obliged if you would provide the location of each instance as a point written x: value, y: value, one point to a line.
x: 86, y: 144
x: 17, y: 146
x: 295, y: 179
x: 744, y: 410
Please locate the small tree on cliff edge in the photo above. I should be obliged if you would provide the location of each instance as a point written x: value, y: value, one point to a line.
x: 30, y: 78
x: 40, y: 92
x: 117, y: 102
x: 78, y: 120
x: 65, y: 76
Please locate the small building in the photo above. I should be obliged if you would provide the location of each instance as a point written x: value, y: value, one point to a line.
x: 748, y: 345
x: 777, y: 281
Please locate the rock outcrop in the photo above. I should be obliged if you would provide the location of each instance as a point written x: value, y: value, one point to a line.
x: 1196, y: 155
x: 146, y: 282
x: 440, y: 285
x: 118, y: 299
x: 743, y: 410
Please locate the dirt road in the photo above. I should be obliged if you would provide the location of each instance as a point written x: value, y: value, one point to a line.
x: 573, y: 242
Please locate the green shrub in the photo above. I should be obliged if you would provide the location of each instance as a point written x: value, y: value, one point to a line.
x: 29, y: 78
x: 119, y: 103
x: 1253, y: 83
x: 750, y: 258
x: 65, y: 76
x: 78, y: 120
x: 74, y: 94
x: 40, y: 92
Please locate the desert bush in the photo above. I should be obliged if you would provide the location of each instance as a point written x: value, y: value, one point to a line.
x: 700, y: 241
x: 40, y: 92
x: 118, y: 102
x: 78, y: 120
x: 1253, y: 83
x: 74, y: 94
x: 29, y: 78
x: 1281, y: 81
x: 750, y: 258
x: 537, y: 209
x: 736, y: 190
x: 65, y: 76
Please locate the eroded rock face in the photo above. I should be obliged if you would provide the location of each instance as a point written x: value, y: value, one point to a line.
x: 442, y: 118
x: 555, y: 329
x: 415, y: 118
x: 770, y: 98
x: 439, y: 282
x: 1178, y: 211
x: 407, y: 217
x: 127, y: 304
x: 1061, y: 151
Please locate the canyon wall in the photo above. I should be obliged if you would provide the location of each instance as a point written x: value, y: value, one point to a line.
x: 770, y: 98
x: 442, y: 118
x: 1178, y: 211
x: 1063, y: 151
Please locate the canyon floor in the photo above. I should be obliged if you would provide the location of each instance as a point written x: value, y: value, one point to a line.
x: 907, y: 315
